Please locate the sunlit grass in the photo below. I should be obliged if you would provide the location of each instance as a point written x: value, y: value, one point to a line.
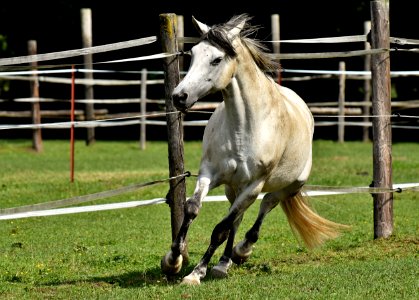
x: 116, y: 254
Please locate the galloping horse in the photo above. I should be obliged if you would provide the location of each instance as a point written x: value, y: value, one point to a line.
x: 258, y: 140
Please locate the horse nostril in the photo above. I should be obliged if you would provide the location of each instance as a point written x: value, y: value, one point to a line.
x: 180, y: 99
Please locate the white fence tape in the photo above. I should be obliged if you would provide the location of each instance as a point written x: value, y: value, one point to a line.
x: 110, y: 206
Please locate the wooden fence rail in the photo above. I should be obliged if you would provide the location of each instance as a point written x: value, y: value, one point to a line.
x: 333, y: 108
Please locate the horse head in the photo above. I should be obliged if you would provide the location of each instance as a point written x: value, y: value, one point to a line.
x: 212, y: 63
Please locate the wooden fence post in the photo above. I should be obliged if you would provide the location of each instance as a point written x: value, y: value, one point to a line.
x: 143, y: 102
x: 341, y: 103
x: 275, y: 36
x: 177, y: 192
x: 36, y: 109
x: 180, y: 33
x: 367, y: 87
x: 86, y: 26
x: 381, y: 123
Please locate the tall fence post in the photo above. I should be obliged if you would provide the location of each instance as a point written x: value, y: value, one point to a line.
x: 275, y: 36
x: 36, y: 109
x: 381, y: 123
x: 143, y: 103
x: 180, y: 33
x: 367, y: 87
x: 86, y: 18
x: 341, y: 102
x: 177, y: 192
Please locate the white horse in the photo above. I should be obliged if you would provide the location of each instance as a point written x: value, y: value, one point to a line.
x: 258, y: 140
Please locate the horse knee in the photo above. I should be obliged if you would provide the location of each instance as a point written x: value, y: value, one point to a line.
x: 192, y: 209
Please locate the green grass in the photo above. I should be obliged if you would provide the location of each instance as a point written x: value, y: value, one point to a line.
x: 116, y: 254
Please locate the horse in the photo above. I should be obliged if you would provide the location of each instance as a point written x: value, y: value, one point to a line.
x: 258, y: 140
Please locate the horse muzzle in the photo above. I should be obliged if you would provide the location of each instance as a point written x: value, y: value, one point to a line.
x: 182, y: 102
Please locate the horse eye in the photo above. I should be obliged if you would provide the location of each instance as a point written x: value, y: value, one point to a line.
x: 216, y: 61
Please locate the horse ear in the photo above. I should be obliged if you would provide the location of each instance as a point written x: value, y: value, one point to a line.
x: 235, y: 31
x: 201, y: 27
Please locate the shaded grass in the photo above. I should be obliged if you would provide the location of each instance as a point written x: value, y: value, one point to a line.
x: 116, y: 254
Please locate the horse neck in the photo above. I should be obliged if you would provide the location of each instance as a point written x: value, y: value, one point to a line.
x: 249, y: 95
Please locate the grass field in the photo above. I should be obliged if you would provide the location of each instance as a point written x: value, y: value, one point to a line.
x: 116, y: 254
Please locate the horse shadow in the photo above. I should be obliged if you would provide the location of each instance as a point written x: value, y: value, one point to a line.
x: 148, y: 277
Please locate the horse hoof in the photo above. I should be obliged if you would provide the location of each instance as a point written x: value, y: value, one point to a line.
x: 239, y: 256
x: 170, y: 267
x: 238, y: 260
x: 220, y: 270
x: 191, y: 279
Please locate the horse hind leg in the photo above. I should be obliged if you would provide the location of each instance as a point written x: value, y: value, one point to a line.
x: 313, y: 229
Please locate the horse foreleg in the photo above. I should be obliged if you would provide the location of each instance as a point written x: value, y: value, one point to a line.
x: 221, y: 269
x: 223, y: 229
x: 218, y: 236
x: 243, y: 249
x: 171, y: 263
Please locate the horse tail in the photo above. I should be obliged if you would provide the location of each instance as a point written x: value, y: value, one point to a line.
x: 313, y: 229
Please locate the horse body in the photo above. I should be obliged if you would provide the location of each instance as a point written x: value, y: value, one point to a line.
x: 259, y: 139
x: 267, y: 145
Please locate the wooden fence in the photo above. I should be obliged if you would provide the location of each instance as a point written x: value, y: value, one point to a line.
x: 340, y: 108
x: 379, y: 35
